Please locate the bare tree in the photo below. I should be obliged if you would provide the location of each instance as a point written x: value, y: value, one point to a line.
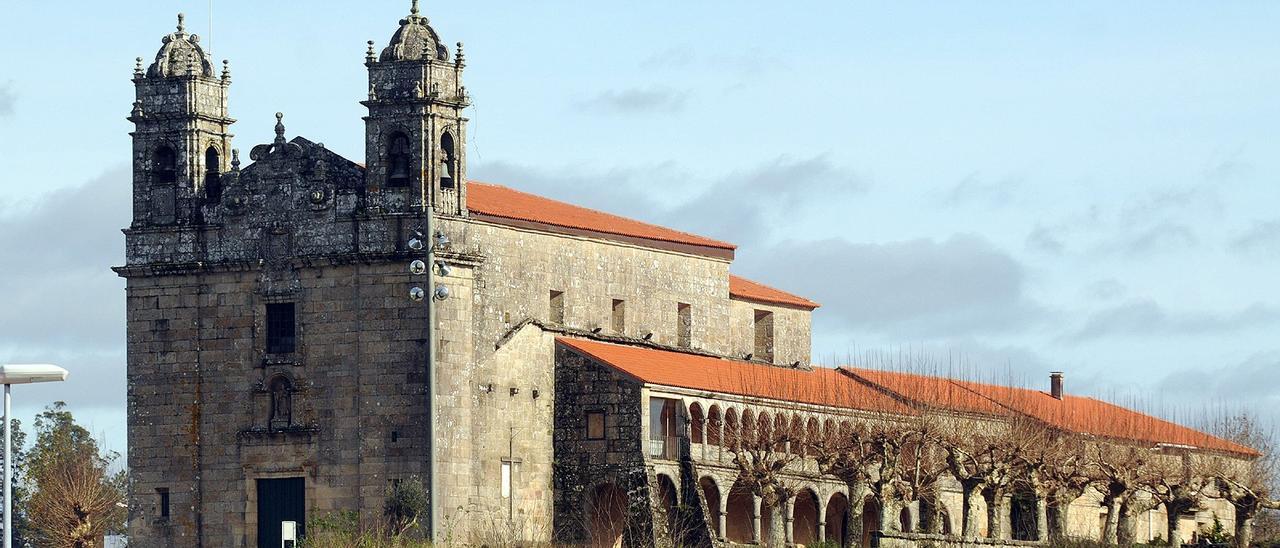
x: 988, y: 458
x: 848, y: 453
x: 1058, y: 471
x: 1249, y: 484
x: 1178, y: 481
x: 1119, y: 472
x: 763, y: 451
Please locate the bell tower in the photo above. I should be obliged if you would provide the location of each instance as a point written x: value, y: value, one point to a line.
x: 181, y: 138
x: 415, y: 133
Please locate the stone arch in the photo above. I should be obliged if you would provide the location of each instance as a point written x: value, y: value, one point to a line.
x: 1024, y: 518
x: 715, y: 424
x: 805, y: 518
x: 605, y: 516
x: 164, y: 165
x: 741, y: 513
x: 212, y: 173
x: 732, y: 428
x: 781, y: 432
x: 399, y: 160
x: 871, y: 519
x: 697, y: 424
x: 747, y: 434
x: 837, y: 518
x: 934, y: 517
x: 711, y: 492
x: 812, y: 435
x: 448, y: 159
x: 669, y: 501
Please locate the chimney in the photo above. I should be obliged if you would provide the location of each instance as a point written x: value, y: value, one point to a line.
x: 1055, y: 384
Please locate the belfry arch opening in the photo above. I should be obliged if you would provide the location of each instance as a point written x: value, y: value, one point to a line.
x: 398, y: 160
x: 212, y: 175
x: 165, y: 165
x: 447, y: 161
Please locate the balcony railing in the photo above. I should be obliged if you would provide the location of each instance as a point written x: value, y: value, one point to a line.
x: 667, y: 447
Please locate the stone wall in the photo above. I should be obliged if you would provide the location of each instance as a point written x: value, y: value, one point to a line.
x: 898, y: 539
x: 585, y: 466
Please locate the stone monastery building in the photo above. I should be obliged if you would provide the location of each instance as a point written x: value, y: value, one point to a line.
x: 596, y: 378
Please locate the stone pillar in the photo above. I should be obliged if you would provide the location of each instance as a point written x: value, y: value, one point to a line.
x: 755, y: 519
x: 723, y: 518
x: 703, y: 441
x: 1042, y: 519
x: 822, y: 520
x: 789, y: 520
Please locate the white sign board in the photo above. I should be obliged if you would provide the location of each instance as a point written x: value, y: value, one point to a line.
x: 288, y: 534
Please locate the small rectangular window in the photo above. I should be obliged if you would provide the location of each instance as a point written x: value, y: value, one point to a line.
x: 162, y: 493
x: 595, y: 425
x: 619, y: 316
x: 556, y: 305
x: 281, y: 328
x: 684, y: 325
x: 506, y: 480
x: 763, y: 350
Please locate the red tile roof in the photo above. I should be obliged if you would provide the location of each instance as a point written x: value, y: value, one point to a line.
x: 743, y: 288
x: 507, y: 203
x: 1099, y: 418
x: 677, y: 369
x: 935, y: 392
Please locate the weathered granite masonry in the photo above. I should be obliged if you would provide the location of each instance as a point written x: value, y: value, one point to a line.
x: 219, y: 238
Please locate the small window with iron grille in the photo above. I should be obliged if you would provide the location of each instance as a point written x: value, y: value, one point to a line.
x: 281, y: 328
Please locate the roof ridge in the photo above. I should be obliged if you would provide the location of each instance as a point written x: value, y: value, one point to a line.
x: 705, y: 241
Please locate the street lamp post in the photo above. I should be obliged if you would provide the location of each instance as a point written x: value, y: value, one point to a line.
x: 11, y: 374
x: 426, y: 242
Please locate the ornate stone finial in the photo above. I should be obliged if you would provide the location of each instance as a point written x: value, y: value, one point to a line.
x: 280, y: 128
x: 417, y: 89
x: 461, y: 59
x: 235, y: 160
x: 373, y: 92
x: 182, y: 18
x: 226, y: 70
x: 137, y: 109
x: 369, y: 55
x: 413, y: 9
x: 137, y: 67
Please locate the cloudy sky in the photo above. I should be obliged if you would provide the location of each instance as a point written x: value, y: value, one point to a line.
x: 1084, y: 186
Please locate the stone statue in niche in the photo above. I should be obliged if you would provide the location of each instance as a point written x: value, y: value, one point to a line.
x: 281, y: 403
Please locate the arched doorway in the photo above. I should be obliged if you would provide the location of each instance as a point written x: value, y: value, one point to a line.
x: 605, y: 516
x: 1024, y: 520
x: 904, y: 520
x: 804, y: 518
x: 870, y: 520
x: 669, y: 500
x: 715, y: 506
x: 837, y: 518
x: 739, y: 509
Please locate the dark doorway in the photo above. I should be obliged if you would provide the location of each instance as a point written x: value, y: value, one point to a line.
x: 279, y: 500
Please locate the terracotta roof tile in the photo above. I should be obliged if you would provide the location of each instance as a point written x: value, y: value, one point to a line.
x: 935, y: 392
x: 1100, y: 418
x: 677, y: 369
x: 507, y: 203
x: 743, y: 288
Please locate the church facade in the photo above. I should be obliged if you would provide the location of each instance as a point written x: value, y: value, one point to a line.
x: 277, y: 364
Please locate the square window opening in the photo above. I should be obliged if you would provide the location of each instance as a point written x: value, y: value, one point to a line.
x: 281, y: 328
x: 595, y: 425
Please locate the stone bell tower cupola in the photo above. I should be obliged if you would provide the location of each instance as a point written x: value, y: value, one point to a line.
x: 415, y: 133
x: 181, y: 139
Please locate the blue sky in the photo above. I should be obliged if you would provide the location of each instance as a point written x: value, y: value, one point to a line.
x: 1084, y: 186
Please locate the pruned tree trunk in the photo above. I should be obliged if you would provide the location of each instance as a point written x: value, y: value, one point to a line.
x: 1126, y: 527
x: 1057, y: 513
x: 1113, y: 521
x: 1171, y: 517
x: 853, y: 519
x: 995, y: 513
x: 1244, y: 528
x: 970, y: 511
